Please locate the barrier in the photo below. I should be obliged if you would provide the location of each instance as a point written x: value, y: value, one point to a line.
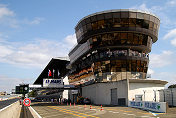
x: 152, y: 106
x: 90, y: 107
x: 11, y: 111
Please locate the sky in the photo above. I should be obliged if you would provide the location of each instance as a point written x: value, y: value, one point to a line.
x: 34, y: 31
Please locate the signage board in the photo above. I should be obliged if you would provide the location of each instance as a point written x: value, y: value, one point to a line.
x: 53, y: 83
x: 27, y: 102
x: 22, y: 89
x: 152, y: 106
x: 74, y: 91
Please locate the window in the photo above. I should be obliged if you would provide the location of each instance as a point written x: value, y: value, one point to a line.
x: 94, y: 26
x: 123, y: 38
x: 130, y: 38
x: 132, y: 22
x: 101, y: 24
x: 124, y: 22
x: 135, y: 39
x: 116, y: 22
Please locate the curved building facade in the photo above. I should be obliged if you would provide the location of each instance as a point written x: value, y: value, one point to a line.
x: 112, y: 45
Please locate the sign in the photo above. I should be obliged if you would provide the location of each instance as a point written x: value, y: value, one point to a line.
x: 74, y: 91
x: 27, y: 102
x: 152, y: 106
x: 53, y: 83
x: 22, y: 89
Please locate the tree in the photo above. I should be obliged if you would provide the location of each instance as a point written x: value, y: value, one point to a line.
x: 172, y: 86
x: 33, y: 93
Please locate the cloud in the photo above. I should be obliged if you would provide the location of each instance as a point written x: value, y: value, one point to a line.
x: 171, y: 2
x: 170, y: 34
x: 71, y: 40
x: 35, y: 21
x: 161, y: 60
x: 11, y: 83
x: 35, y: 53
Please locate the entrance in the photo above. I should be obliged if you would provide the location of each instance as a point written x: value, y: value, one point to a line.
x: 114, y: 96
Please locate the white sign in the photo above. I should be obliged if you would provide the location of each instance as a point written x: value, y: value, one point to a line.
x: 53, y: 83
x: 152, y: 106
x: 74, y: 91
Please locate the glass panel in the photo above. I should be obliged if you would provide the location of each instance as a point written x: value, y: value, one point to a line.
x: 123, y: 38
x: 101, y: 24
x: 94, y: 26
x: 139, y: 22
x: 100, y: 17
x: 145, y: 24
x: 151, y: 25
x: 116, y: 22
x: 108, y: 15
x: 124, y: 14
x: 146, y: 17
x: 93, y: 18
x: 140, y: 16
x: 108, y: 23
x: 135, y: 39
x: 152, y: 18
x: 140, y: 39
x: 89, y: 27
x: 87, y: 20
x: 132, y: 15
x: 124, y: 22
x: 116, y: 15
x: 117, y: 38
x: 130, y: 38
x: 145, y: 38
x: 132, y: 22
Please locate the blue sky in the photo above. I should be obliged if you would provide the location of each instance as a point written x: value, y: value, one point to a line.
x: 34, y: 31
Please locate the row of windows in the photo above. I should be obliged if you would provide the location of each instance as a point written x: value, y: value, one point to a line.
x: 121, y: 66
x: 113, y: 39
x: 112, y: 66
x: 110, y: 23
x: 86, y: 61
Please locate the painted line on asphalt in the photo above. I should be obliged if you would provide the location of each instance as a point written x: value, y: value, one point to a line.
x: 36, y: 113
x: 68, y: 112
x: 74, y: 111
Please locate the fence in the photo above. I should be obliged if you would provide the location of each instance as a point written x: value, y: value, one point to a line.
x: 168, y: 95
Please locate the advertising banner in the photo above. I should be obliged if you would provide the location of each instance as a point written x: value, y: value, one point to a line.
x: 53, y: 83
x: 152, y: 106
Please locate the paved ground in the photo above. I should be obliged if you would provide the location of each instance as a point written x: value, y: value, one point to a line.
x: 5, y: 103
x: 50, y: 110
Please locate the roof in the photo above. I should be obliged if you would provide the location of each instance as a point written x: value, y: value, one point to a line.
x: 58, y: 64
x: 117, y: 10
x: 148, y: 81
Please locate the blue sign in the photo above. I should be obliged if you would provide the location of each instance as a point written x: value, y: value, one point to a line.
x: 152, y: 105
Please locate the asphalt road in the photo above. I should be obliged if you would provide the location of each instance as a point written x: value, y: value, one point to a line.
x: 51, y: 110
x: 5, y: 103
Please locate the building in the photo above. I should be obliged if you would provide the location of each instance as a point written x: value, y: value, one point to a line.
x: 57, y: 68
x: 110, y: 62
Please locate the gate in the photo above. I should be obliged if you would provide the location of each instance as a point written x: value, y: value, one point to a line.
x: 114, y: 96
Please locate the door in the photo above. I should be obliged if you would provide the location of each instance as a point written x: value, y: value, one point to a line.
x: 114, y: 96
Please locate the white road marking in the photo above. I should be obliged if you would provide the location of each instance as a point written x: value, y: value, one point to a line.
x: 115, y: 112
x: 131, y: 114
x: 146, y: 116
x: 36, y: 112
x: 110, y: 111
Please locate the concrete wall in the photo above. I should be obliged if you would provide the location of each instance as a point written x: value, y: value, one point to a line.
x: 12, y: 111
x: 65, y: 92
x: 169, y: 96
x: 139, y: 88
x: 100, y: 93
